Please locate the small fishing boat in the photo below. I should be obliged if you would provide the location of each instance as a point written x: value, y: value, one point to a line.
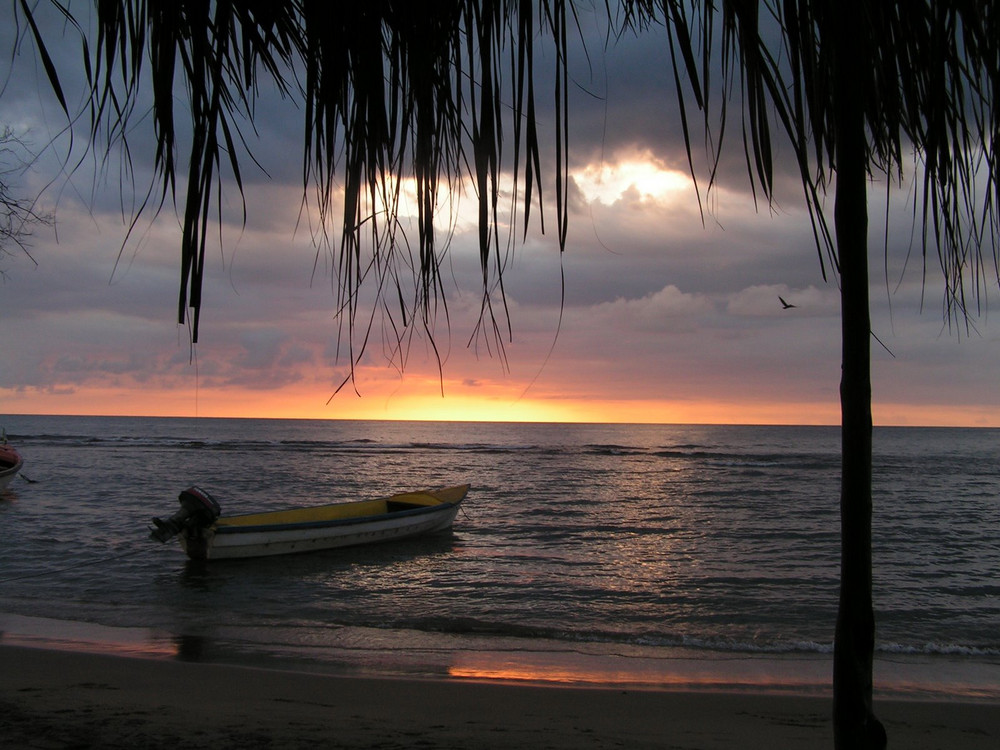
x: 205, y: 534
x: 10, y: 464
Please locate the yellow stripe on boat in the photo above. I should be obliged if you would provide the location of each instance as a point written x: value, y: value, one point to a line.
x: 339, y: 511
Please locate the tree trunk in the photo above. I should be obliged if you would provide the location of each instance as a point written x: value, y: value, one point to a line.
x: 855, y: 725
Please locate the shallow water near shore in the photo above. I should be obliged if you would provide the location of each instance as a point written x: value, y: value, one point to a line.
x: 647, y: 556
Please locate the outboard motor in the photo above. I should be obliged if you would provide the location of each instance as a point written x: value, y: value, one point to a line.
x: 198, y: 510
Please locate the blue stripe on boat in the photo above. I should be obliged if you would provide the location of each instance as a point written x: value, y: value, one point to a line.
x: 334, y: 522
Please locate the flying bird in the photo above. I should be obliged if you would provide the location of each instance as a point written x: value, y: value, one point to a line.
x: 785, y: 305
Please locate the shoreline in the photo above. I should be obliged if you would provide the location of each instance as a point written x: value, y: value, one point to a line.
x: 351, y: 653
x: 378, y: 654
x: 56, y: 698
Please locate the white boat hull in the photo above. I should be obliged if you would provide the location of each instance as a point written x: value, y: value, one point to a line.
x: 7, y: 476
x: 10, y: 465
x: 306, y: 529
x: 220, y: 546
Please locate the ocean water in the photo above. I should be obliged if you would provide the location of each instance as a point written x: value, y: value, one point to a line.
x: 634, y: 555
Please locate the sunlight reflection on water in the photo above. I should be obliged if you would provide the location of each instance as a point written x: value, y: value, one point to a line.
x: 714, y: 539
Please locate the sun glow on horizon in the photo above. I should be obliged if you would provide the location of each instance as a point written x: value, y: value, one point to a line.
x: 464, y: 404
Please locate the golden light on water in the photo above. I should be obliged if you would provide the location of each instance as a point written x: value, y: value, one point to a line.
x: 530, y: 673
x: 685, y: 673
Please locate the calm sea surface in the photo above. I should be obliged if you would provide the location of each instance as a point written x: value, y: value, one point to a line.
x: 650, y: 556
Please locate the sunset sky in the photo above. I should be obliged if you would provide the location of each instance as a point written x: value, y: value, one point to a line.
x: 666, y: 318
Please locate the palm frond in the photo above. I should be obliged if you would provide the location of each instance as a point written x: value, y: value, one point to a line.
x: 440, y: 92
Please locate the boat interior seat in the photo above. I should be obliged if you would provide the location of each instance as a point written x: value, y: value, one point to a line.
x: 395, y: 506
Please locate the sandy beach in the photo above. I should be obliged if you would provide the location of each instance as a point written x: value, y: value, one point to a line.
x: 62, y: 699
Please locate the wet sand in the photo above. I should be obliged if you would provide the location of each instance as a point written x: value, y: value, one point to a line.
x: 61, y: 699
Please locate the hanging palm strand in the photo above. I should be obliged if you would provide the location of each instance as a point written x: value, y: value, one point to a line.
x: 392, y: 90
